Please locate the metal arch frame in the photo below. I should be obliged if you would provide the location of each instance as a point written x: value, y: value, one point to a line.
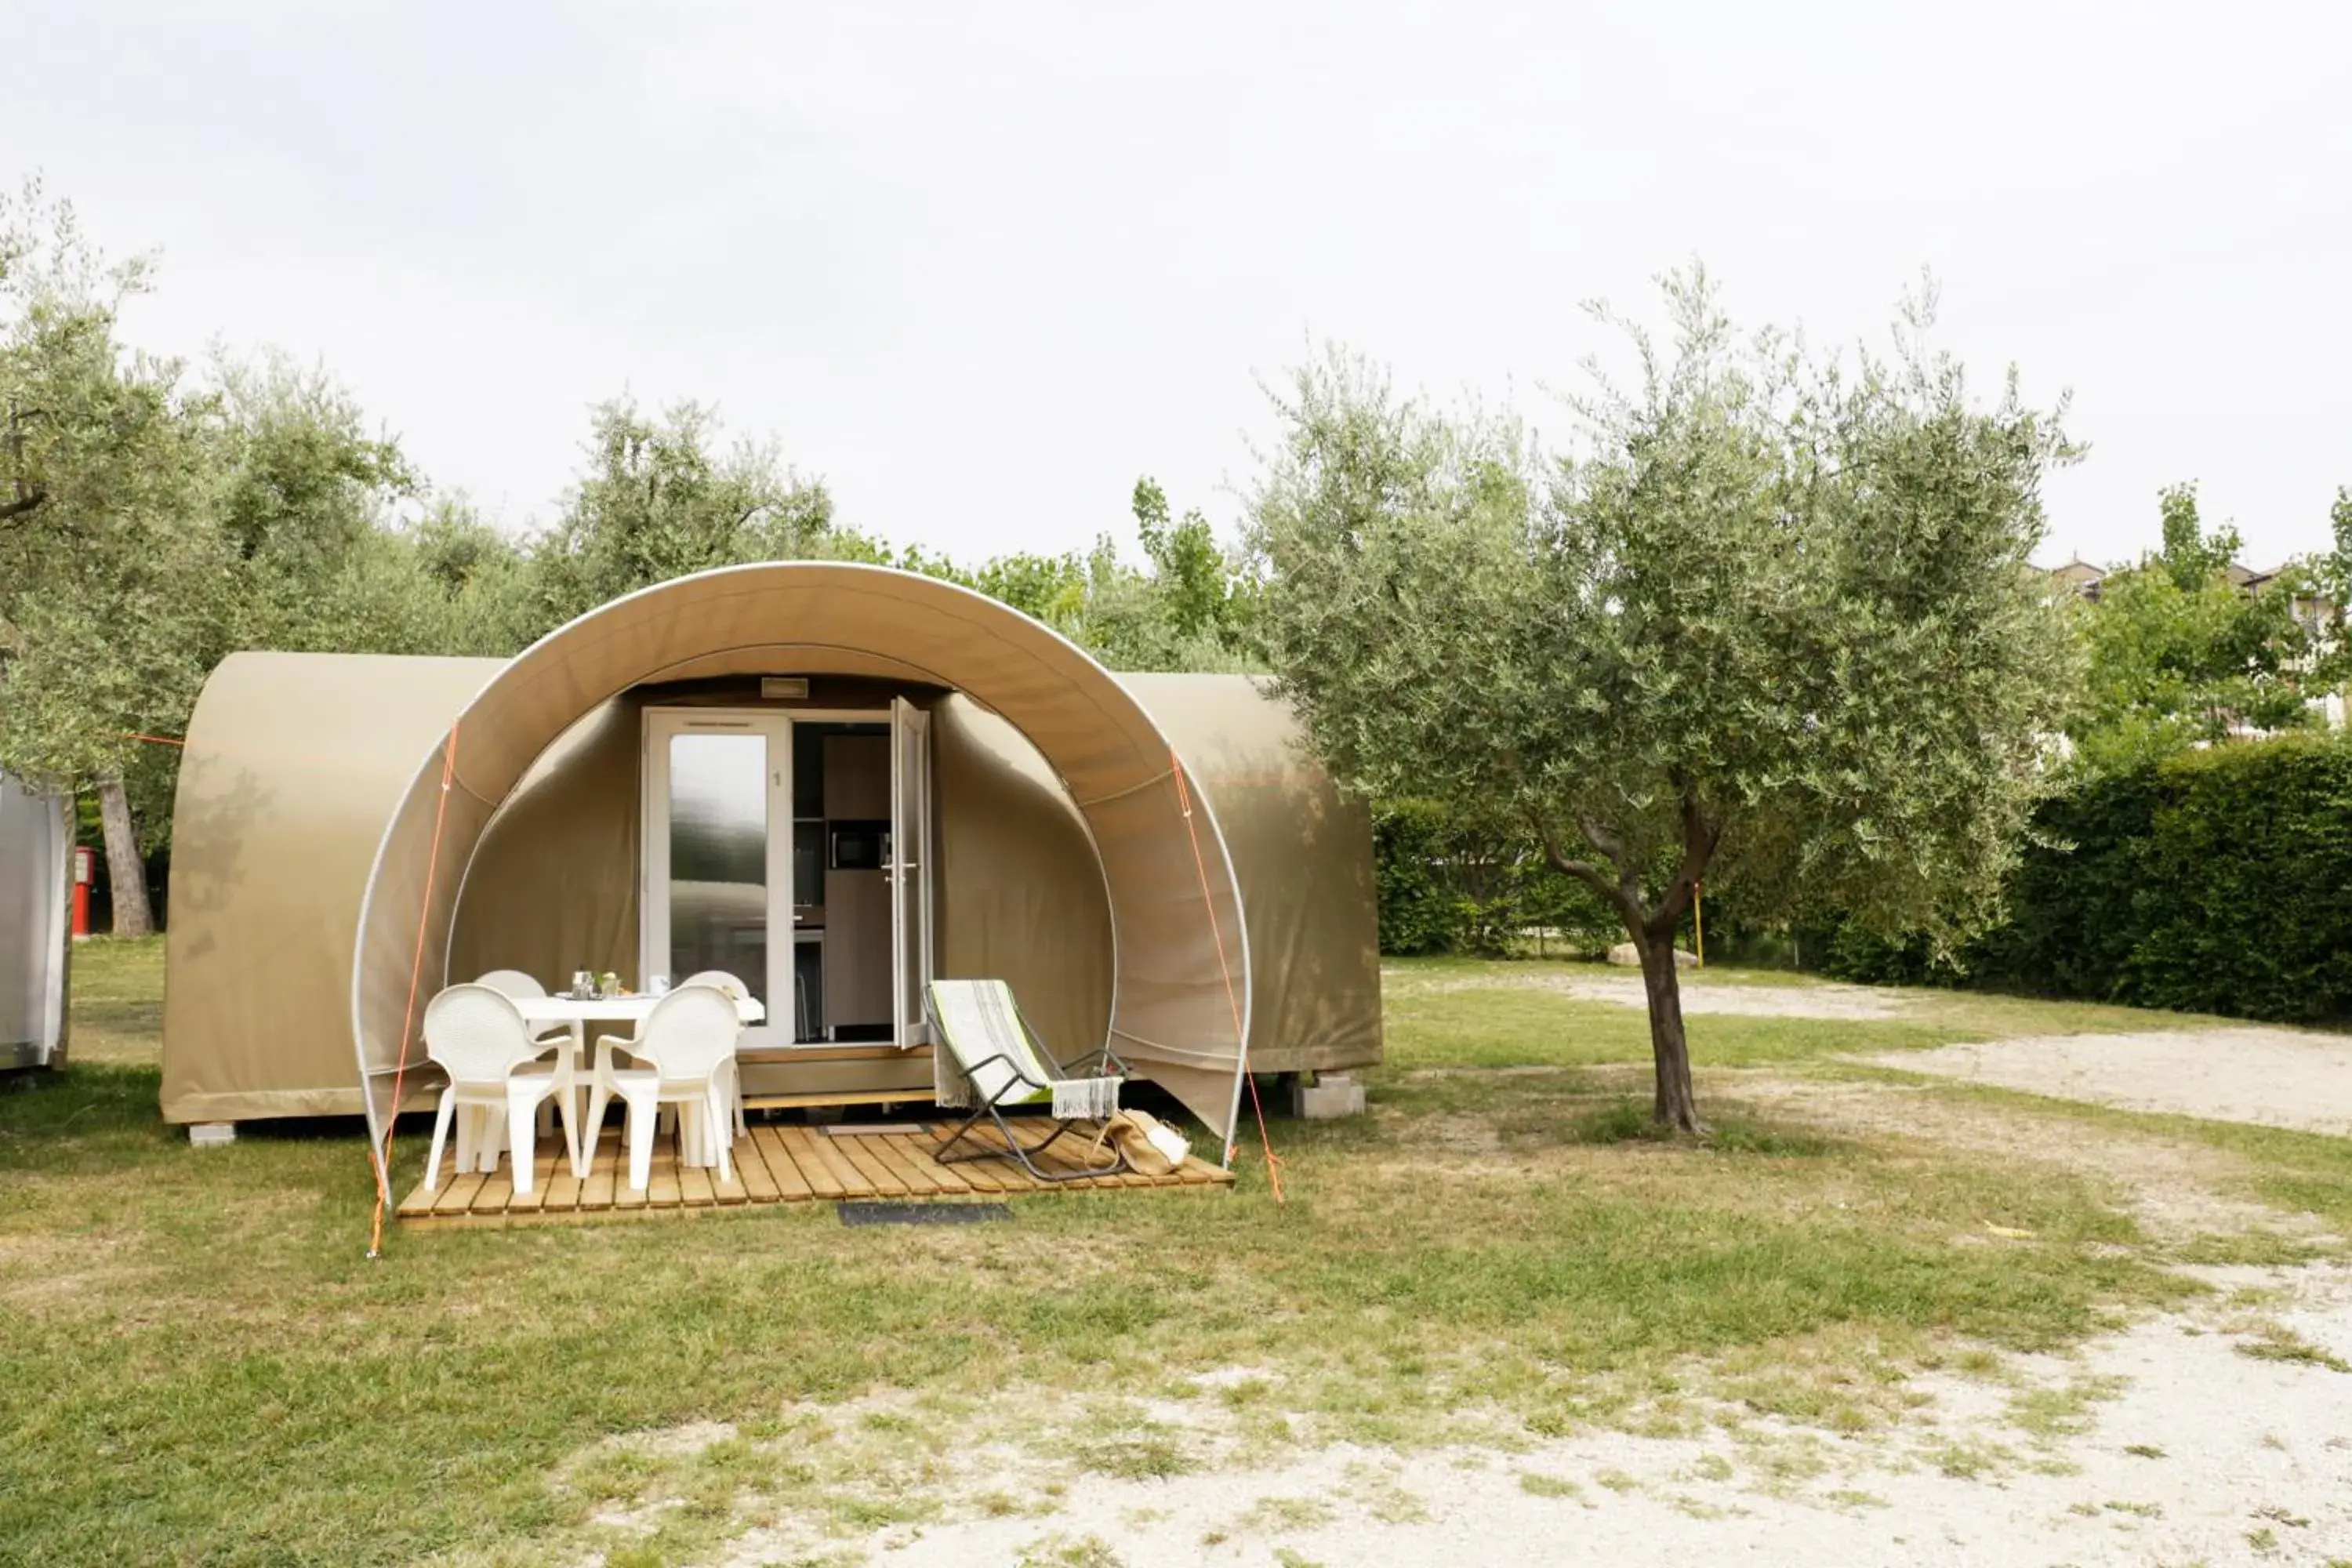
x: 1245, y: 984
x: 1086, y: 824
x: 988, y: 607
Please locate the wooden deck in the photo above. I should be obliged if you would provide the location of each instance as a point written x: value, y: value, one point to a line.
x: 780, y: 1163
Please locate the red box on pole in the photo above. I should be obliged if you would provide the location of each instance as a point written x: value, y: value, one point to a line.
x: 84, y: 871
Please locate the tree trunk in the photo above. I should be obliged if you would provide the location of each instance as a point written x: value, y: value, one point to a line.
x: 1676, y: 1106
x: 126, y: 874
x: 1652, y: 931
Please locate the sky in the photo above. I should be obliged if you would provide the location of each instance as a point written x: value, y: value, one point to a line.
x: 980, y: 267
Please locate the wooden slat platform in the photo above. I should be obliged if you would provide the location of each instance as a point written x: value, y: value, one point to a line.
x: 778, y: 1163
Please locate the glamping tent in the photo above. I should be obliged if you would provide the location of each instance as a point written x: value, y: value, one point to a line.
x: 36, y: 845
x: 835, y: 781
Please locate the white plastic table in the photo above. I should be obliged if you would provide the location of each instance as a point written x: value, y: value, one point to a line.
x: 547, y: 1012
x: 543, y: 1012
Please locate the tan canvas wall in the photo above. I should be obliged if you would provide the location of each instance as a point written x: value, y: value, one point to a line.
x: 1021, y: 894
x: 292, y: 764
x: 1303, y: 856
x: 555, y: 883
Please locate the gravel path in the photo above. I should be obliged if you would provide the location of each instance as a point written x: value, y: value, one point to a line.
x: 2185, y: 1449
x: 2279, y: 1077
x: 1816, y: 999
x: 1823, y: 999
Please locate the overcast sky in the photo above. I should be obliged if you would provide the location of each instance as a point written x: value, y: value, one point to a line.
x: 981, y: 266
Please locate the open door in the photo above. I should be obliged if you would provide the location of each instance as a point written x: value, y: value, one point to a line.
x: 911, y: 867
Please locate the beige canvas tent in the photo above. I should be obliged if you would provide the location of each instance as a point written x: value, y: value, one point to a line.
x: 837, y: 781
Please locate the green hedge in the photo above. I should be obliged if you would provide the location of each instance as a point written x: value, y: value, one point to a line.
x: 1447, y: 888
x: 2248, y: 886
x: 2218, y: 881
x: 1418, y: 913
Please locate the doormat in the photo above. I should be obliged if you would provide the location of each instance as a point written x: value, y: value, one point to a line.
x: 922, y: 1213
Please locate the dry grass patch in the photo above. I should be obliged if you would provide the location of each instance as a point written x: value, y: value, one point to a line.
x: 2276, y: 1342
x: 2179, y: 1191
x: 2292, y: 1189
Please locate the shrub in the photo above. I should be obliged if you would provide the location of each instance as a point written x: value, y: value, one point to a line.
x: 1854, y: 954
x: 2215, y: 882
x: 2242, y: 903
x: 1445, y: 887
x: 2077, y: 901
x: 1419, y: 909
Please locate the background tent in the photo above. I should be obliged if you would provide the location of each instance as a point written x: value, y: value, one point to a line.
x: 36, y: 847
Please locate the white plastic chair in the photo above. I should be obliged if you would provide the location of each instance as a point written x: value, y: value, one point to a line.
x: 476, y: 1036
x: 520, y: 987
x: 512, y: 983
x: 717, y: 980
x: 687, y: 1045
x: 735, y: 991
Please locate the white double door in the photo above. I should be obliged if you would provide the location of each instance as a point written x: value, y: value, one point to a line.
x: 719, y: 848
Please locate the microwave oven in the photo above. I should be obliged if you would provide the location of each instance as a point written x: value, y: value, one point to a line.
x: 857, y: 846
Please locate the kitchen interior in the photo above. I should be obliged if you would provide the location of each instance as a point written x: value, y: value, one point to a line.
x: 841, y: 883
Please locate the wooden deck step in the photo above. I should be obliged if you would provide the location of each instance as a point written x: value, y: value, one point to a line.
x: 774, y: 1164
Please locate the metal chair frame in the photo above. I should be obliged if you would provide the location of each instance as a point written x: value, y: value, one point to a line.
x: 1102, y: 1058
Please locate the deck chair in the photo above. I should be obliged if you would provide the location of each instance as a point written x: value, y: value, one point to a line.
x: 987, y: 1056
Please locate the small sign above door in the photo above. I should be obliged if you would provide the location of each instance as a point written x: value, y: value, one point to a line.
x: 784, y: 687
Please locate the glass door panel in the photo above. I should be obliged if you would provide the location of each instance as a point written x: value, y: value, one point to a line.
x: 717, y: 889
x: 718, y: 831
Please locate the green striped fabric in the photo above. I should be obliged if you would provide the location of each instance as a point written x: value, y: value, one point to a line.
x: 977, y: 1021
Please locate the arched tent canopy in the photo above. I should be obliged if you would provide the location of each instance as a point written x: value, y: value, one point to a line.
x: 1181, y: 992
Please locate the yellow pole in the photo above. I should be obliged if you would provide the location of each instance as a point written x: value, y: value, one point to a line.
x: 1698, y: 920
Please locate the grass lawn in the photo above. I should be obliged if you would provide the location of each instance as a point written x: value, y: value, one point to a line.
x: 201, y: 1364
x: 117, y: 1001
x: 1520, y: 1013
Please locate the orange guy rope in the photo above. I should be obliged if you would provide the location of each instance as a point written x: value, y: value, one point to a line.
x: 1233, y: 998
x: 408, y: 1015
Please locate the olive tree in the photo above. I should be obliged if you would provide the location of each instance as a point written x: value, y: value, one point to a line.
x: 106, y: 583
x: 658, y: 499
x: 1767, y: 620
